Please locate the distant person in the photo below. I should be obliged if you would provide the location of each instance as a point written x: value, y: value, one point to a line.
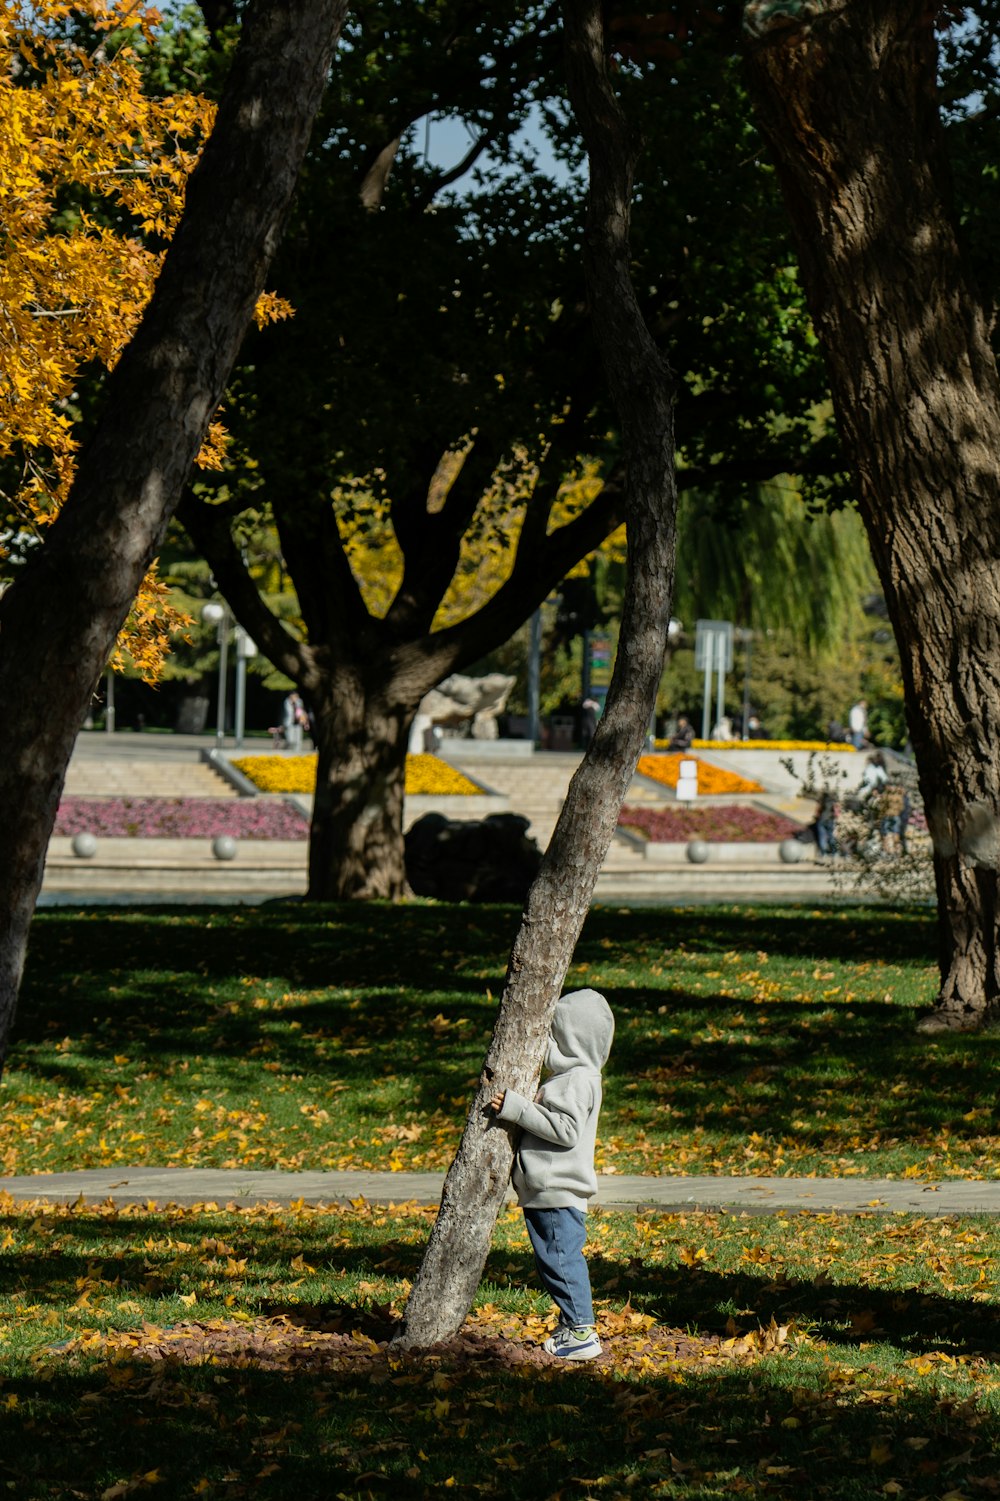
x: 683, y: 735
x: 755, y: 730
x: 294, y: 720
x: 588, y: 721
x: 824, y: 824
x: 857, y: 724
x: 723, y: 730
x: 835, y: 732
x: 874, y: 776
x: 894, y: 810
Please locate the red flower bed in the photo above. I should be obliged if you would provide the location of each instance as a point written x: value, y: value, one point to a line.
x: 180, y: 818
x: 725, y: 824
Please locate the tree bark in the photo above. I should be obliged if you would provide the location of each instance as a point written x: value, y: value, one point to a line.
x: 642, y: 389
x: 356, y: 836
x: 59, y: 621
x: 845, y: 92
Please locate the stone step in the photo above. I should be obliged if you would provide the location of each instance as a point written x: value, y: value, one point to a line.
x: 121, y: 777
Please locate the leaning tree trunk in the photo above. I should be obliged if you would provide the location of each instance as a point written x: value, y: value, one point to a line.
x: 560, y: 897
x: 845, y: 94
x: 59, y: 621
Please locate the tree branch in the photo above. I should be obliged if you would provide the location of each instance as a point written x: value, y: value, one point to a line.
x: 431, y: 550
x: 537, y: 571
x: 208, y: 529
x: 329, y: 596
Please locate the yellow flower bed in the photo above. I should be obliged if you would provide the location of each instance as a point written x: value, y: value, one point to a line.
x: 711, y: 779
x: 279, y: 773
x: 780, y: 745
x: 425, y: 775
x: 430, y: 776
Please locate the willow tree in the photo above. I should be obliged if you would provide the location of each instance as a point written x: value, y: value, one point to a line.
x: 60, y: 618
x: 763, y: 558
x: 847, y: 95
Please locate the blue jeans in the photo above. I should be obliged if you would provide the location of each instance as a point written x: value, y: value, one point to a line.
x: 557, y: 1238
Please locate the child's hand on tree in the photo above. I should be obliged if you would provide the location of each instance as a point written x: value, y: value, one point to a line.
x: 496, y: 1103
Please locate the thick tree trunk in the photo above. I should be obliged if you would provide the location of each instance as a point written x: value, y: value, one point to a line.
x: 60, y: 619
x: 356, y: 838
x: 560, y: 897
x: 845, y: 94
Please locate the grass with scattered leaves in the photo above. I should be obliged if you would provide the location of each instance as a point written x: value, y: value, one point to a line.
x: 176, y: 1353
x: 768, y: 1040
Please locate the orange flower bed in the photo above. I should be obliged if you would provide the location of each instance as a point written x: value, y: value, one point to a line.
x: 712, y: 780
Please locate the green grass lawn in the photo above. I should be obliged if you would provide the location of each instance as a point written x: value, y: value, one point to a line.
x: 177, y: 1354
x: 169, y: 1353
x: 762, y: 1041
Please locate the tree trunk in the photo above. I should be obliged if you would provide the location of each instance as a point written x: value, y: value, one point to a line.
x: 60, y: 619
x: 846, y: 99
x: 560, y: 897
x: 356, y: 838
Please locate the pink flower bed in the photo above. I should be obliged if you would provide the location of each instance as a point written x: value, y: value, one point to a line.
x: 725, y: 824
x: 180, y: 818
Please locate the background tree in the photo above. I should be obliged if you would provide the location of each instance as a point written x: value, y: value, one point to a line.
x: 92, y: 175
x: 60, y: 618
x: 438, y: 385
x: 847, y: 96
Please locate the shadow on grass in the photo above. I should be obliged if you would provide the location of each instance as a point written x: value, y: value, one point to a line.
x: 355, y: 995
x: 413, y: 1427
x: 425, y: 945
x: 848, y: 1314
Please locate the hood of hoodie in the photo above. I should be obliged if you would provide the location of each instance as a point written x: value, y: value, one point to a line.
x: 582, y: 1030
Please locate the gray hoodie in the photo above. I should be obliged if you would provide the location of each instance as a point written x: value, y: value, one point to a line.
x: 554, y: 1163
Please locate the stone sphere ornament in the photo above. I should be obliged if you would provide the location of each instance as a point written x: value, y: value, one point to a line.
x: 224, y: 847
x: 791, y: 851
x: 698, y: 851
x: 84, y: 845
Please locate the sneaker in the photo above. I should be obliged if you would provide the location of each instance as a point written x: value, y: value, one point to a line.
x: 580, y: 1343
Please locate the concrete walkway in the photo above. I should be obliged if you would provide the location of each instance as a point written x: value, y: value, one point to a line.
x: 160, y: 1186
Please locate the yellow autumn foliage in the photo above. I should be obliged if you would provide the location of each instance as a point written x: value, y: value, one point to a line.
x: 76, y: 128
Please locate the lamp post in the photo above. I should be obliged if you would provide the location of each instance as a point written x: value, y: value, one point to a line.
x: 534, y: 676
x: 245, y: 649
x: 744, y: 635
x: 109, y: 703
x: 218, y: 615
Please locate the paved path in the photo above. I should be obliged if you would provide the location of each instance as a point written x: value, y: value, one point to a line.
x: 187, y: 1186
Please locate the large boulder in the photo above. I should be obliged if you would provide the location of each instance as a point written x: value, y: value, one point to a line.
x: 475, y: 860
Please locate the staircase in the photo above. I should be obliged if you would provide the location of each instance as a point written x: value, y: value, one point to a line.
x: 125, y: 776
x: 536, y: 789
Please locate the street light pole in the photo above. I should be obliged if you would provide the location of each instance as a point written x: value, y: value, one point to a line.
x: 218, y: 615
x: 534, y: 675
x: 245, y: 648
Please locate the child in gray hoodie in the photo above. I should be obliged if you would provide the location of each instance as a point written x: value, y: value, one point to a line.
x: 553, y: 1170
